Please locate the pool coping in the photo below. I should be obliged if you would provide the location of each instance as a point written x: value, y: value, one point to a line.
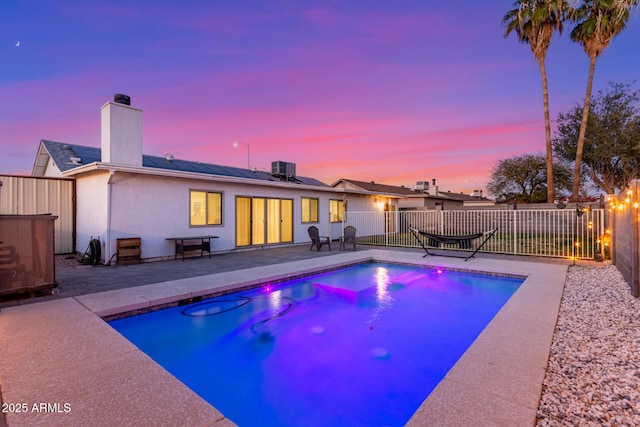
x: 62, y: 352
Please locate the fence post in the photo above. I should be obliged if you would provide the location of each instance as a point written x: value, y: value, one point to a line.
x: 386, y: 228
x: 515, y: 233
x: 635, y: 287
x: 601, y: 230
x: 344, y: 221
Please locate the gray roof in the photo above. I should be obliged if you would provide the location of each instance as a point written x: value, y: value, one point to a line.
x: 61, y: 153
x: 404, y: 191
x: 379, y: 188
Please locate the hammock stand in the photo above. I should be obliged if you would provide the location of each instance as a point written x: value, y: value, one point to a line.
x: 463, y: 242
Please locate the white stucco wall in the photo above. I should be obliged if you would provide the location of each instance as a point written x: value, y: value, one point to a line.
x: 91, y: 208
x: 411, y: 203
x: 51, y: 170
x: 368, y: 203
x: 154, y: 208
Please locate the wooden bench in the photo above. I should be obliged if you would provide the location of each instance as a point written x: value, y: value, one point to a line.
x: 181, y: 247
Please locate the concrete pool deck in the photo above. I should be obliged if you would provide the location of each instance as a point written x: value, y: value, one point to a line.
x: 61, y: 353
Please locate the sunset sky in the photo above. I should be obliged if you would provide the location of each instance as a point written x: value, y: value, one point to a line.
x: 390, y: 91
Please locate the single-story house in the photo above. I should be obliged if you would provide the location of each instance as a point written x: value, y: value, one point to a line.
x: 122, y: 193
x: 423, y: 196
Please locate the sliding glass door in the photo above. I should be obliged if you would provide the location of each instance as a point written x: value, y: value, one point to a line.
x: 261, y: 220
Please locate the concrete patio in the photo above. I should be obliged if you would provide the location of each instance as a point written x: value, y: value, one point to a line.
x: 59, y: 351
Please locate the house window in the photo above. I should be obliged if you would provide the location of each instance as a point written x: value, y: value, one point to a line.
x: 336, y: 208
x: 309, y: 210
x: 205, y: 208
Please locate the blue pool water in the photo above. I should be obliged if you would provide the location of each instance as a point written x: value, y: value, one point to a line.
x: 362, y: 346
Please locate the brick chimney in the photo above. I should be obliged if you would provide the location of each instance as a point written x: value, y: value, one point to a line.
x: 121, y: 132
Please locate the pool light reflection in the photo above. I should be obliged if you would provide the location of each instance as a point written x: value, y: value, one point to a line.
x: 275, y: 300
x: 382, y: 282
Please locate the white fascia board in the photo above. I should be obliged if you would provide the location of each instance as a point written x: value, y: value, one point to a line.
x: 367, y: 193
x: 41, y: 161
x: 96, y: 166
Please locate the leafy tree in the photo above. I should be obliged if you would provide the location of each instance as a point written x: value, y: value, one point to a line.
x: 611, y: 155
x: 534, y: 22
x: 598, y: 23
x: 524, y: 178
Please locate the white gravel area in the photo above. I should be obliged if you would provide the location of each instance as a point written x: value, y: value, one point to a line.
x: 593, y: 375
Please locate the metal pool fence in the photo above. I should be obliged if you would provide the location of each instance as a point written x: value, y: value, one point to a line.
x: 565, y: 233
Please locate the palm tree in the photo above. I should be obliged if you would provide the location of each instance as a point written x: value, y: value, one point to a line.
x: 598, y: 22
x: 534, y: 21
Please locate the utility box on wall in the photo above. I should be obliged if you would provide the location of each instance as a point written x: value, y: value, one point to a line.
x: 27, y: 254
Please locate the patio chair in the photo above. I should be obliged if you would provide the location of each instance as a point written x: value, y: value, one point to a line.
x: 463, y: 242
x: 317, y: 240
x: 348, y: 237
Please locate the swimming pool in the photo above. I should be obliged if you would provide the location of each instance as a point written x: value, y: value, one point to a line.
x: 363, y: 345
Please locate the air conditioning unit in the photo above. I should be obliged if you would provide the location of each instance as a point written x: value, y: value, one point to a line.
x: 283, y: 169
x: 422, y: 186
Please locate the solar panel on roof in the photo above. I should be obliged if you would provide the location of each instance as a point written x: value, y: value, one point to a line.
x: 61, y: 153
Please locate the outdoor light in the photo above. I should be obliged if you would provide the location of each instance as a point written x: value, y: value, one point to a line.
x: 237, y: 144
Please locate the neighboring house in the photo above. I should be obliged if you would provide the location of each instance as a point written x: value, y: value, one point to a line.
x: 121, y: 193
x: 382, y: 197
x: 422, y: 196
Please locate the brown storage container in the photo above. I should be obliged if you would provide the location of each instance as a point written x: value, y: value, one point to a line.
x: 27, y: 253
x: 129, y: 250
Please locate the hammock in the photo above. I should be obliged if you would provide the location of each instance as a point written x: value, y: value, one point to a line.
x: 463, y: 242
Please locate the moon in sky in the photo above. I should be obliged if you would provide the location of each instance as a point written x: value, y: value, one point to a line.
x: 18, y: 44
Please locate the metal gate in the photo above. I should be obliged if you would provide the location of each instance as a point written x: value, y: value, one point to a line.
x: 23, y: 195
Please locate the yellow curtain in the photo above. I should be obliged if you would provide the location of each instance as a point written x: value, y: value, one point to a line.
x: 198, y: 208
x: 286, y: 223
x: 214, y: 208
x: 257, y: 228
x: 273, y: 220
x: 243, y: 221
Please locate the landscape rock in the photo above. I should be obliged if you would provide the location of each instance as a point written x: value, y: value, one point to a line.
x: 593, y: 373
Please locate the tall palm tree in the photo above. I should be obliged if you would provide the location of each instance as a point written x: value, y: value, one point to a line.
x: 598, y: 22
x: 534, y: 22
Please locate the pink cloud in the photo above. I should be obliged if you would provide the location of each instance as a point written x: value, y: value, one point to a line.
x: 410, y: 93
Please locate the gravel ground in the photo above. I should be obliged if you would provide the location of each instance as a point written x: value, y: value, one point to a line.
x: 593, y: 375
